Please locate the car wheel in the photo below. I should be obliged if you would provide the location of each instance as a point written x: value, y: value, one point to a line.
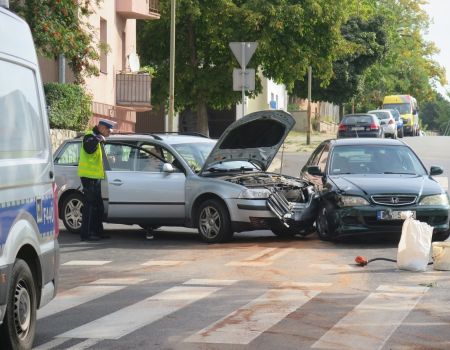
x: 400, y: 132
x: 19, y: 323
x: 323, y: 226
x: 72, y: 212
x: 213, y: 222
x: 441, y: 236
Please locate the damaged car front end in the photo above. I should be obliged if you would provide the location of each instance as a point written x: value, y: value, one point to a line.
x: 255, y: 198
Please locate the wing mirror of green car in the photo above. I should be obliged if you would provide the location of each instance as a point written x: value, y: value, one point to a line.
x: 436, y: 170
x: 314, y: 170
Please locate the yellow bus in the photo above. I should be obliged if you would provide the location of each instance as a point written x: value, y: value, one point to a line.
x: 408, y: 109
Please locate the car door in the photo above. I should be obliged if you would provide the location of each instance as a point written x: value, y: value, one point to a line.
x: 138, y: 190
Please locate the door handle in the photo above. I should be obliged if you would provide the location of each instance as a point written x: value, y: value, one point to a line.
x: 116, y: 182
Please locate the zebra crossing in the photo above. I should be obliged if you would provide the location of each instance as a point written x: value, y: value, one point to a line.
x: 368, y: 324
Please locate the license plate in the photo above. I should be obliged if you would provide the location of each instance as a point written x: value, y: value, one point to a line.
x: 392, y: 214
x: 357, y: 128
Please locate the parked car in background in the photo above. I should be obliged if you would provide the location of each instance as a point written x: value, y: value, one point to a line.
x: 364, y: 184
x: 387, y: 122
x: 360, y: 125
x: 183, y: 180
x: 398, y: 121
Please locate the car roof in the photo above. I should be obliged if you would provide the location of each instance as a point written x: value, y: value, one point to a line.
x: 365, y: 141
x: 171, y: 139
x: 357, y: 115
x: 380, y: 110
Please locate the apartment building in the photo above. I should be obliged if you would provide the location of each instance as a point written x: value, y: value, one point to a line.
x: 120, y: 91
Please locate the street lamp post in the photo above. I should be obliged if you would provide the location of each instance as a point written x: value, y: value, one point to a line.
x: 173, y: 4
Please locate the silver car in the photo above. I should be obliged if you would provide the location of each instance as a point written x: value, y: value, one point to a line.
x: 192, y: 181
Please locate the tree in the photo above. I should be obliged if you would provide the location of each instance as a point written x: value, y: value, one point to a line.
x: 368, y: 41
x: 435, y: 114
x: 291, y: 35
x: 60, y: 27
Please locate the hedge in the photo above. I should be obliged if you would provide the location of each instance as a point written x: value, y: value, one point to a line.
x: 69, y: 106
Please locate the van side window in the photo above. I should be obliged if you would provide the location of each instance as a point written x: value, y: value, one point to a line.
x: 21, y: 123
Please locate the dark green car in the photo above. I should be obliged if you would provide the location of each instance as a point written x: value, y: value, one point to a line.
x: 365, y: 184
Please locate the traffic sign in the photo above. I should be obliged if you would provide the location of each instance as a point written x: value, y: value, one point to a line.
x: 243, y: 51
x: 249, y: 79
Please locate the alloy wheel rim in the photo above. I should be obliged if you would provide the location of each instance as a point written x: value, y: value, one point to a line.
x: 73, y: 213
x: 209, y: 222
x: 22, y: 309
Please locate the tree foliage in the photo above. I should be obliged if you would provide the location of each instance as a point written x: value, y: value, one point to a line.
x: 60, y: 27
x: 435, y: 114
x: 368, y: 42
x: 291, y: 35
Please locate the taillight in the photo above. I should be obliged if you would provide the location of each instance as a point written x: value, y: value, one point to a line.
x: 391, y: 121
x: 55, y: 209
x: 374, y: 126
x: 342, y: 127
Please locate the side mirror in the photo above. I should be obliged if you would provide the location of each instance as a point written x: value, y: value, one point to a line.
x: 168, y: 168
x: 314, y: 170
x: 436, y: 170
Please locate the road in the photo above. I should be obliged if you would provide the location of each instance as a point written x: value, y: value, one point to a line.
x: 257, y: 292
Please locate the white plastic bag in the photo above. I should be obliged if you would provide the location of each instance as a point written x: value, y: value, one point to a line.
x: 415, y: 244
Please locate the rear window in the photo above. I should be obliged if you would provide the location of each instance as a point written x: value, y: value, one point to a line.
x: 381, y: 115
x: 363, y: 119
x: 21, y: 125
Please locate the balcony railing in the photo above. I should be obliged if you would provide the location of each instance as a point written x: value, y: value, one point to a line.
x: 138, y: 9
x: 133, y: 90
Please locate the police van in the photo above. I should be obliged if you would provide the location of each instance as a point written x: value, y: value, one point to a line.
x: 29, y: 251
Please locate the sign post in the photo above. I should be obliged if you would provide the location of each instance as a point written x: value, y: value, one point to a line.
x: 243, y: 51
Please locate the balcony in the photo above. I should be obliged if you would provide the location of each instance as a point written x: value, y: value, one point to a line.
x: 138, y: 9
x: 134, y: 90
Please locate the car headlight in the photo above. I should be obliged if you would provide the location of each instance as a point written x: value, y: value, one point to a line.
x: 437, y: 199
x: 351, y: 201
x: 255, y: 193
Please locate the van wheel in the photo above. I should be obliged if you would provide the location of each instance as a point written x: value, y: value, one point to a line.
x: 213, y: 222
x: 19, y: 325
x: 72, y: 212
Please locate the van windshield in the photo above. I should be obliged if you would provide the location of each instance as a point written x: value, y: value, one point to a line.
x: 403, y: 108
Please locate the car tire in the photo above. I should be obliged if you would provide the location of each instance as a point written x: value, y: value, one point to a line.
x: 72, y: 212
x: 19, y: 323
x: 400, y: 132
x: 323, y: 227
x: 213, y: 222
x: 441, y: 236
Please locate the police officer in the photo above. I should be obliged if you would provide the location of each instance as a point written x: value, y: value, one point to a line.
x: 91, y: 170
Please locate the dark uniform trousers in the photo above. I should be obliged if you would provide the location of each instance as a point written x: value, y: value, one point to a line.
x: 92, y: 224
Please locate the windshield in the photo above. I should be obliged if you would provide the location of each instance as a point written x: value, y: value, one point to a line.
x: 395, y: 114
x: 194, y: 154
x: 375, y: 159
x: 236, y: 165
x: 403, y: 108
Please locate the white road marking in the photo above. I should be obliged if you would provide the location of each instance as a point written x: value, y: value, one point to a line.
x: 163, y: 263
x: 85, y: 344
x: 51, y: 344
x: 251, y: 320
x: 86, y: 262
x: 143, y: 313
x: 443, y: 181
x: 262, y: 258
x: 373, y: 321
x: 119, y: 281
x: 210, y: 282
x: 74, y: 297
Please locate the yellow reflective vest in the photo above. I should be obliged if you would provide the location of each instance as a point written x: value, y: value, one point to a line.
x: 91, y: 165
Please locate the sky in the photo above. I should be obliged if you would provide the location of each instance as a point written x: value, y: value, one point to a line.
x: 439, y: 31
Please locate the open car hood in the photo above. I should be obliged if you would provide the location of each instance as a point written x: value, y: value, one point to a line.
x: 256, y: 137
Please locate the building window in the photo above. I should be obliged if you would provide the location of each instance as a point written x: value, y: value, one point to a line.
x: 103, y: 46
